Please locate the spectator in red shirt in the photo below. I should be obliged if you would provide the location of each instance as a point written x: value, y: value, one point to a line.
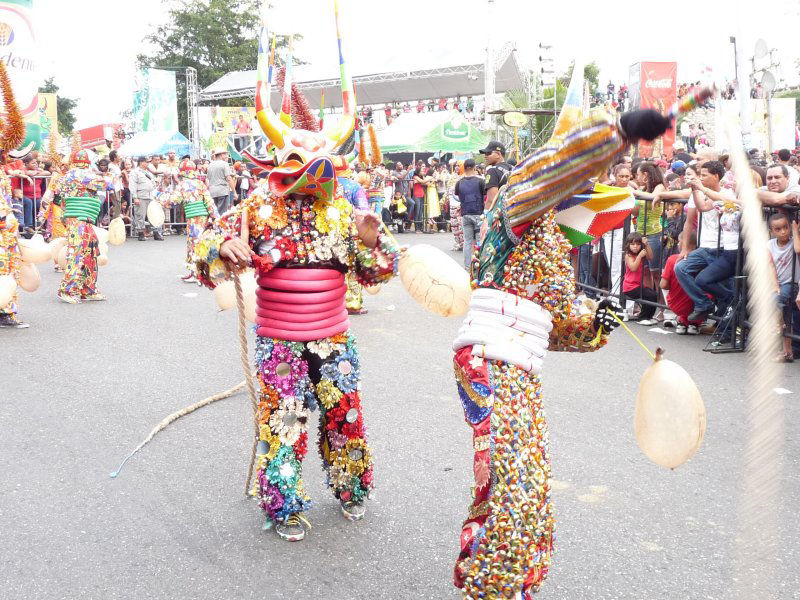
x: 33, y: 188
x: 442, y: 103
x: 677, y: 299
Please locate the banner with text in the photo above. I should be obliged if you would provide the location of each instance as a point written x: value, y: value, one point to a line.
x: 18, y: 50
x: 657, y: 89
x: 155, y: 101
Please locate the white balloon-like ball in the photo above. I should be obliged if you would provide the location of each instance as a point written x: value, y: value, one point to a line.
x: 155, y: 214
x: 8, y: 286
x: 670, y: 417
x: 116, y: 232
x: 435, y: 280
x: 29, y: 278
x: 34, y: 250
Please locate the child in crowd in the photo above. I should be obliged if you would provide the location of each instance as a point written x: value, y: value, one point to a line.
x: 673, y: 212
x: 782, y: 250
x: 634, y: 285
x: 399, y: 211
x: 677, y: 300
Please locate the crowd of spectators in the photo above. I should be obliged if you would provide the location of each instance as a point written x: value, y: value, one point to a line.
x: 678, y: 261
x: 465, y: 106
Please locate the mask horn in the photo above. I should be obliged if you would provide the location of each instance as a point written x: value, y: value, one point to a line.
x: 344, y: 128
x: 273, y: 128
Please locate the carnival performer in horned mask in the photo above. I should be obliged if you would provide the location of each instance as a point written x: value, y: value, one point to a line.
x: 302, y: 236
x: 523, y: 304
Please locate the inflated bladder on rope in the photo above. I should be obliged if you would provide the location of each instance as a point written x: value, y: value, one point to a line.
x: 55, y: 246
x: 373, y: 290
x: 29, y: 279
x: 8, y: 286
x: 155, y: 214
x: 225, y: 294
x: 102, y: 260
x: 102, y: 234
x: 670, y: 417
x: 116, y: 232
x: 34, y: 250
x: 435, y: 280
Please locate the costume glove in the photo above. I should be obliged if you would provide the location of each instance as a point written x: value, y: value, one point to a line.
x: 604, y: 316
x: 643, y: 124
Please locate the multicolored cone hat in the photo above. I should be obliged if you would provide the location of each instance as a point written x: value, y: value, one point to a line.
x: 304, y: 162
x: 584, y: 216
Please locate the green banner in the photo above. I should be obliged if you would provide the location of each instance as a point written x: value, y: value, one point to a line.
x: 155, y: 102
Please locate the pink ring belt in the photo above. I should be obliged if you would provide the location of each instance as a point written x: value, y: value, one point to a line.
x: 302, y: 297
x: 298, y: 285
x: 303, y: 336
x: 289, y: 317
x: 300, y: 309
x: 278, y: 323
x: 303, y: 274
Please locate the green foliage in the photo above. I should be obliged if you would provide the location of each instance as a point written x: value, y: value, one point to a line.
x: 66, y: 106
x: 213, y: 36
x: 591, y: 73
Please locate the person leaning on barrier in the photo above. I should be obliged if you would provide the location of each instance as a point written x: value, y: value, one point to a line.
x: 778, y: 191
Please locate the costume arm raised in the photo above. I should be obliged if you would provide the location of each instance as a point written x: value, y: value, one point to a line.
x: 378, y: 264
x: 211, y: 269
x: 584, y: 330
x: 561, y: 168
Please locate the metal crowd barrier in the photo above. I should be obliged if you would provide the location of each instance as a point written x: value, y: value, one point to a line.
x: 601, y: 269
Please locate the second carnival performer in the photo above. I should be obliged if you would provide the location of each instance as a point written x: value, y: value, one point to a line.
x: 79, y: 189
x: 357, y: 197
x: 302, y: 236
x: 523, y: 304
x: 198, y: 206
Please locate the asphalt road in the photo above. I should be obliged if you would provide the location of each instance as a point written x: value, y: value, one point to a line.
x: 85, y: 384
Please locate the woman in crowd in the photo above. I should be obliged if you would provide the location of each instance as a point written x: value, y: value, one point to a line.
x: 433, y: 209
x: 33, y: 187
x: 455, y: 207
x: 649, y: 210
x: 418, y: 195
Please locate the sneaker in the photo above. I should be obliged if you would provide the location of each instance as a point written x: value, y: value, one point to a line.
x: 67, y: 298
x: 141, y: 236
x: 692, y: 330
x: 292, y: 529
x: 669, y: 324
x: 353, y: 511
x: 158, y: 237
x: 12, y: 322
x: 94, y: 297
x: 681, y: 329
x: 648, y: 322
x: 698, y: 314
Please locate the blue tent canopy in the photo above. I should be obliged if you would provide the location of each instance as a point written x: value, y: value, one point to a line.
x: 147, y: 143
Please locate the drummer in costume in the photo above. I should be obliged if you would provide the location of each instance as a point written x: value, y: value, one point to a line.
x: 302, y: 236
x: 523, y: 304
x: 79, y: 188
x: 198, y: 206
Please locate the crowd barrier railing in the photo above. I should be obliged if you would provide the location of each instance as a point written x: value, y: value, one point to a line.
x: 600, y: 271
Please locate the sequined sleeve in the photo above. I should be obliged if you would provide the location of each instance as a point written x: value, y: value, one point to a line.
x: 576, y: 334
x: 378, y: 264
x: 561, y: 168
x: 211, y: 268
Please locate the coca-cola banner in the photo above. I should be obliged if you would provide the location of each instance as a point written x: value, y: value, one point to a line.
x: 657, y: 88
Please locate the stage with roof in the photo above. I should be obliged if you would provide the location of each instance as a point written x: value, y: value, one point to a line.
x: 449, y: 75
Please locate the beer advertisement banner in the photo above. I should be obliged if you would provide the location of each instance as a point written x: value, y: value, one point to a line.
x: 658, y: 90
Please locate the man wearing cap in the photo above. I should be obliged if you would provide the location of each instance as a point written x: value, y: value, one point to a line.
x: 221, y: 180
x: 497, y: 170
x: 470, y: 190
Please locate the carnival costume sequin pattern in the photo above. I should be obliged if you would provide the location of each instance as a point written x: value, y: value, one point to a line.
x: 79, y: 188
x: 507, y: 539
x: 197, y: 204
x: 10, y: 260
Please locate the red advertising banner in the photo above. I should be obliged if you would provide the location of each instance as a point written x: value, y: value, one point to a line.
x: 658, y: 90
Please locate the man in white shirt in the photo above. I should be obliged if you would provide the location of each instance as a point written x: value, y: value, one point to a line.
x: 115, y: 168
x: 783, y: 158
x: 779, y: 191
x: 709, y: 248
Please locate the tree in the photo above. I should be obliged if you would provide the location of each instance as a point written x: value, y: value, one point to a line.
x: 66, y: 118
x: 591, y: 73
x: 213, y: 36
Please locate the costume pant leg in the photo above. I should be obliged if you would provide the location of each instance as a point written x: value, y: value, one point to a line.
x: 80, y: 274
x: 354, y: 297
x: 9, y: 265
x: 346, y: 457
x: 507, y: 540
x: 283, y: 410
x: 194, y: 227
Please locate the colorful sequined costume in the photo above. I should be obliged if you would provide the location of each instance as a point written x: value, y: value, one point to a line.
x: 357, y: 197
x: 198, y: 206
x: 523, y: 304
x: 78, y: 189
x: 10, y: 260
x: 304, y: 239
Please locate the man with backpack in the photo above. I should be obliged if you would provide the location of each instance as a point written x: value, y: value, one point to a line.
x: 470, y: 190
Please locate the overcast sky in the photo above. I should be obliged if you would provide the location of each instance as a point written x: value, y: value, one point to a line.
x: 90, y: 46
